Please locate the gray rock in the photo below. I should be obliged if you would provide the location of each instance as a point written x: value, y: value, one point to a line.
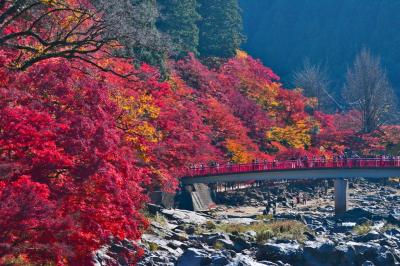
x: 190, y: 230
x: 324, y: 252
x: 194, y: 257
x: 367, y: 263
x: 243, y: 260
x: 219, y: 260
x: 163, y: 244
x: 373, y: 235
x: 101, y: 258
x: 184, y: 216
x: 114, y: 253
x: 226, y: 243
x: 178, y: 236
x: 389, y: 242
x: 393, y: 232
x: 211, y: 238
x: 288, y: 252
x: 241, y: 242
x: 309, y: 236
x: 252, y: 234
x: 268, y: 263
x: 344, y: 255
x: 386, y: 258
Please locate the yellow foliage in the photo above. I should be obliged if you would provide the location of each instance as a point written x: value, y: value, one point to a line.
x: 313, y: 102
x: 48, y: 2
x: 239, y: 154
x: 297, y: 135
x: 54, y: 3
x: 135, y: 120
x: 241, y: 54
x: 268, y: 96
x: 141, y: 108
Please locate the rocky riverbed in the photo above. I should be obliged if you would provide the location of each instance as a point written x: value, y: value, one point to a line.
x: 237, y: 232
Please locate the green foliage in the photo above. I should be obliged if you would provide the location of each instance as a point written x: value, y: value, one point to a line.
x: 159, y: 218
x: 362, y: 229
x: 267, y: 230
x: 221, y: 28
x: 153, y: 246
x: 178, y: 19
x: 210, y: 225
x: 264, y: 235
x: 151, y: 47
x: 218, y: 245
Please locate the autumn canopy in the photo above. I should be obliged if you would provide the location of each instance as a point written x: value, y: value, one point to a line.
x: 85, y: 134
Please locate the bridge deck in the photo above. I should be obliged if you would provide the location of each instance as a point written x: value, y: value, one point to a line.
x: 349, y: 168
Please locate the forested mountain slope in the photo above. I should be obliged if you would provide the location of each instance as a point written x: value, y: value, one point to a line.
x: 284, y: 32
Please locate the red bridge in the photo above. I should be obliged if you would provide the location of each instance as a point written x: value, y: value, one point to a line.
x: 340, y: 170
x: 352, y: 163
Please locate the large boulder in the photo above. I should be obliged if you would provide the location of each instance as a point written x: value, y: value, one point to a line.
x: 358, y: 215
x: 324, y: 252
x: 114, y: 254
x: 184, y: 216
x: 194, y: 257
x: 220, y: 259
x: 372, y: 235
x: 241, y: 241
x: 286, y: 252
x: 372, y: 252
x: 211, y: 238
x: 393, y: 232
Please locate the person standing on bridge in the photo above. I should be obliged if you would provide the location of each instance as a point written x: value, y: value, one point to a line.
x: 323, y: 160
x: 298, y: 163
x: 314, y: 162
x: 217, y: 166
x: 229, y: 166
x: 305, y: 161
x: 265, y: 165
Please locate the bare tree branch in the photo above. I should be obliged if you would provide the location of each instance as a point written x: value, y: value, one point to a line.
x: 367, y: 90
x: 314, y: 80
x: 38, y: 30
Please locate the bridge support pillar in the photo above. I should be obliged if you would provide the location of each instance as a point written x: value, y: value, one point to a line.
x: 341, y: 195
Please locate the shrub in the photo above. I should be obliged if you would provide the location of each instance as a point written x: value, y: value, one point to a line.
x: 210, y: 225
x: 362, y: 229
x: 153, y: 246
x: 266, y: 230
x: 218, y: 245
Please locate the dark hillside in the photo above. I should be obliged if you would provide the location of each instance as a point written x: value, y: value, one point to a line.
x: 285, y: 32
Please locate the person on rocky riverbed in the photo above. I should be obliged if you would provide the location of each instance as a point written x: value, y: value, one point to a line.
x: 326, y: 186
x: 304, y: 199
x: 267, y: 209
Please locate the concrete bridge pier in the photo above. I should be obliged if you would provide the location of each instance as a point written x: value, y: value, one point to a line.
x: 341, y: 196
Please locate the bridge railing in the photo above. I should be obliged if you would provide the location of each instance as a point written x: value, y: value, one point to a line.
x: 292, y: 165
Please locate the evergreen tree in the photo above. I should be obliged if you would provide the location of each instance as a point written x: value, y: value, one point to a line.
x: 178, y: 19
x: 221, y: 28
x: 143, y: 42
